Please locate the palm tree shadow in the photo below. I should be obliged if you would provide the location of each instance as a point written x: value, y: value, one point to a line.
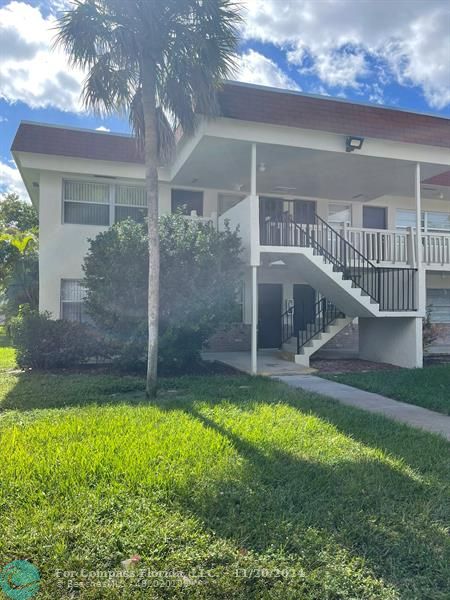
x: 280, y: 499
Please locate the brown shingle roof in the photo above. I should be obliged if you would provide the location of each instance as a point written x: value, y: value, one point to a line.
x: 292, y: 109
x: 250, y: 103
x: 79, y: 143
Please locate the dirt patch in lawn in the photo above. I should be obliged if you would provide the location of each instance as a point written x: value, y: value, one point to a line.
x: 354, y: 365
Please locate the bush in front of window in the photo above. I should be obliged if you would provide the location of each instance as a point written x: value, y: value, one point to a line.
x: 44, y: 343
x: 200, y: 270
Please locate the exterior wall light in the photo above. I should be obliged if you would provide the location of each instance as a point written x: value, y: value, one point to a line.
x: 353, y: 143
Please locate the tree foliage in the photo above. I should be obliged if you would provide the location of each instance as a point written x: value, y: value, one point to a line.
x: 19, y: 272
x: 187, y: 47
x: 15, y: 212
x: 200, y: 272
x: 161, y: 62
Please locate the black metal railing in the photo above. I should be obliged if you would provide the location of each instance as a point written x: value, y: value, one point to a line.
x: 323, y: 315
x: 287, y: 324
x: 392, y: 288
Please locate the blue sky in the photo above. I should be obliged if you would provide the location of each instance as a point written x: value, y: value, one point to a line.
x: 390, y: 52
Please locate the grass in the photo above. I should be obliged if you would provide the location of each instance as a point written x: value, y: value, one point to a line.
x: 7, y: 354
x: 239, y: 487
x: 429, y: 387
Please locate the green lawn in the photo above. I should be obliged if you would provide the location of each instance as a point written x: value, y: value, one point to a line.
x: 7, y: 354
x: 429, y: 387
x: 241, y: 488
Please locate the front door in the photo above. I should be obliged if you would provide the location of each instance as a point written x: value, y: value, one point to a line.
x: 270, y: 296
x: 374, y: 217
x: 304, y: 304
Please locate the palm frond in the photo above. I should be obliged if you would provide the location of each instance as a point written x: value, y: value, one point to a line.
x: 190, y: 45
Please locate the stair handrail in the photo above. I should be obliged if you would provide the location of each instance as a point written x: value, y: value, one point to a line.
x: 325, y: 313
x: 287, y: 324
x: 370, y: 278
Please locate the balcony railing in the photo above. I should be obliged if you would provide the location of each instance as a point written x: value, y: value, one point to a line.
x: 393, y: 289
x: 381, y: 246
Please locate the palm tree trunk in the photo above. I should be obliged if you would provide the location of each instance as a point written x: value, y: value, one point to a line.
x: 151, y: 184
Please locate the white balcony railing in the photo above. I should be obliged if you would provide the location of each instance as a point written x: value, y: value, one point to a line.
x: 397, y: 247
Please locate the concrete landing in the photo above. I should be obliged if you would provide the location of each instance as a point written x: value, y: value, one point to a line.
x: 270, y: 363
x: 416, y: 416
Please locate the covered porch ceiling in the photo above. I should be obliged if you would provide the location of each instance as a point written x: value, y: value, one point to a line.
x: 225, y: 164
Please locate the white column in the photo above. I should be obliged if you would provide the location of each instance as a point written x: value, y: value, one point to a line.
x: 254, y: 346
x: 254, y: 320
x: 421, y: 278
x: 418, y: 217
x: 253, y: 171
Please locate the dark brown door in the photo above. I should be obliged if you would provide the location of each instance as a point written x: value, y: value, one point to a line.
x: 304, y: 211
x: 270, y: 297
x: 374, y: 217
x: 304, y: 303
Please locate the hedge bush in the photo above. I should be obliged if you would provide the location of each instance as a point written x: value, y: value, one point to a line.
x: 44, y: 343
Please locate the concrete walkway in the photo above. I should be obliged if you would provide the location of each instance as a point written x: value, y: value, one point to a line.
x: 416, y: 416
x: 270, y: 362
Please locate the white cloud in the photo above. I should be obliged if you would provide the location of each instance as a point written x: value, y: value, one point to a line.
x: 344, y: 41
x: 30, y: 71
x: 258, y: 69
x: 102, y: 128
x: 11, y: 181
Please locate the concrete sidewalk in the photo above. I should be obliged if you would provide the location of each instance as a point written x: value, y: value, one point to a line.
x: 416, y: 416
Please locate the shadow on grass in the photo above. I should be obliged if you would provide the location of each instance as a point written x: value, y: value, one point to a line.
x: 372, y: 510
x: 283, y: 503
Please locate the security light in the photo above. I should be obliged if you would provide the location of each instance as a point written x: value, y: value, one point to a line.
x: 353, y: 143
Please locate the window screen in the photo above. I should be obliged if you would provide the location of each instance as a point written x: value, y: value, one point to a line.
x: 130, y: 202
x: 72, y: 300
x: 438, y: 301
x: 407, y: 218
x: 86, y: 203
x: 438, y: 221
x: 187, y: 201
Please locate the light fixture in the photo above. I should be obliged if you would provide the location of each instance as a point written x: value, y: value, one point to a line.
x: 353, y: 142
x: 262, y: 167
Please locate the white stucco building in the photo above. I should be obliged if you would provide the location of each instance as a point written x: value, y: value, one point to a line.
x: 328, y: 195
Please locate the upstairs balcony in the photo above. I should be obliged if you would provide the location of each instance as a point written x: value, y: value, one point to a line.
x: 383, y: 247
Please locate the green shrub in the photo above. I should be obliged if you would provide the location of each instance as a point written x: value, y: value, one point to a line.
x: 200, y: 272
x: 43, y: 343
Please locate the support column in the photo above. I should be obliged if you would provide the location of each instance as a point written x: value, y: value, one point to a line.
x: 253, y: 171
x: 254, y: 320
x: 254, y: 352
x: 418, y: 217
x: 421, y: 278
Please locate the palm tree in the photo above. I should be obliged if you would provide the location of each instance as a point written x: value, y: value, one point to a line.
x: 162, y: 62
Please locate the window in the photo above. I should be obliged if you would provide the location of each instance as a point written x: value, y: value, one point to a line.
x: 431, y: 221
x: 187, y: 201
x: 340, y: 214
x: 405, y: 218
x: 437, y: 221
x: 130, y: 202
x: 227, y: 201
x: 86, y: 203
x: 438, y: 301
x: 72, y: 300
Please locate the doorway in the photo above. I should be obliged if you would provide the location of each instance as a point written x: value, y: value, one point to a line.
x: 270, y: 297
x: 304, y: 306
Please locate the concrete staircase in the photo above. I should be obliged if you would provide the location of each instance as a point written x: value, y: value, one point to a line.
x: 289, y: 348
x: 331, y: 283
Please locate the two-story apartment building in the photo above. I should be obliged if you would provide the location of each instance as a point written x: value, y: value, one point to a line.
x: 328, y: 196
